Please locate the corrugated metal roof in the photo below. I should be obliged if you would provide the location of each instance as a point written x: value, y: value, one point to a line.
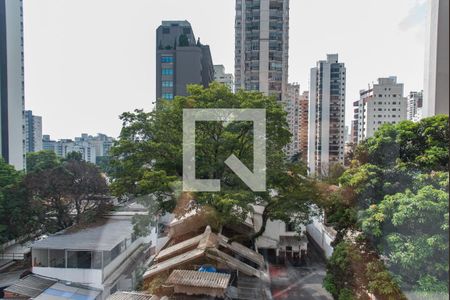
x: 131, y: 296
x: 199, y: 279
x: 207, y: 245
x: 179, y: 247
x: 173, y: 262
x: 242, y: 250
x: 61, y: 291
x: 31, y: 286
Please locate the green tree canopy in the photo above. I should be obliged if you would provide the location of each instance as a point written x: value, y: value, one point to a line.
x: 147, y: 158
x: 41, y: 160
x: 411, y: 229
x: 73, y: 186
x: 17, y: 215
x: 397, y: 186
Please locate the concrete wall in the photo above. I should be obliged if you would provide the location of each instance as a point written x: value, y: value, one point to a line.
x: 321, y: 237
x: 90, y: 277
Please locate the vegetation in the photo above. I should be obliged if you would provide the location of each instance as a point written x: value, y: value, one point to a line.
x: 393, y: 202
x: 53, y: 195
x: 147, y: 159
x: 17, y: 215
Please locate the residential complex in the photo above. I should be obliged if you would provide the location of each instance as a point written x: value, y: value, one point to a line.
x: 381, y: 103
x: 415, y: 106
x: 436, y: 87
x: 261, y: 46
x: 33, y: 132
x: 326, y: 115
x: 222, y: 77
x: 12, y: 131
x: 90, y: 147
x: 180, y: 60
x: 292, y: 107
x: 303, y: 126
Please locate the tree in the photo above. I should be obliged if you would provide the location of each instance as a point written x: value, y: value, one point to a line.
x: 183, y: 41
x: 147, y: 158
x: 18, y: 215
x: 397, y: 185
x: 353, y: 274
x: 74, y: 186
x: 411, y: 229
x: 74, y: 155
x: 41, y: 160
x: 422, y: 145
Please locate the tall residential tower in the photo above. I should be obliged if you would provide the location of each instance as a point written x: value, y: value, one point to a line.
x: 180, y: 60
x: 261, y: 46
x: 436, y: 87
x: 12, y: 133
x: 326, y: 115
x: 33, y: 132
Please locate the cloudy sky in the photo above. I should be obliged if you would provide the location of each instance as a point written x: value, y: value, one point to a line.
x: 87, y: 61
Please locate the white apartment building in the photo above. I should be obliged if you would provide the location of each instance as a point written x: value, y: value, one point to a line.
x: 261, y: 46
x: 107, y: 256
x: 326, y: 121
x: 292, y: 107
x: 12, y: 129
x: 381, y: 103
x: 436, y: 87
x: 415, y: 106
x: 65, y: 146
x: 222, y: 77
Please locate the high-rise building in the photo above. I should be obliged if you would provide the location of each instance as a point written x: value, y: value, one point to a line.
x: 222, y: 77
x: 292, y: 107
x: 326, y: 115
x: 436, y: 93
x: 33, y: 132
x: 303, y: 126
x: 415, y: 105
x: 12, y: 129
x: 180, y: 60
x: 381, y: 103
x: 261, y: 46
x: 48, y: 144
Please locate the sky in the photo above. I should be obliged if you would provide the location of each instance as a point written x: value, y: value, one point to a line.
x: 87, y: 61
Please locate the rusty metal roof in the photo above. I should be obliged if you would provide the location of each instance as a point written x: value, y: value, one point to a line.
x: 199, y: 279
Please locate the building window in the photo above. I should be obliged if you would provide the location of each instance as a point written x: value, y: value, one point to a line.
x: 167, y: 83
x: 167, y: 72
x: 84, y: 259
x: 167, y: 59
x: 167, y: 96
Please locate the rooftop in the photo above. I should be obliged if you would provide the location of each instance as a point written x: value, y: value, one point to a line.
x: 207, y: 245
x: 44, y: 288
x: 199, y: 279
x: 131, y: 296
x: 101, y: 236
x: 31, y: 286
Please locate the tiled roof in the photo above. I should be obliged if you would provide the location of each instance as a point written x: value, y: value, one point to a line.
x: 199, y: 279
